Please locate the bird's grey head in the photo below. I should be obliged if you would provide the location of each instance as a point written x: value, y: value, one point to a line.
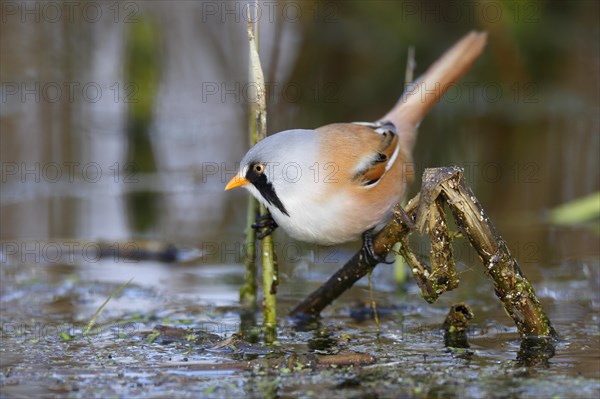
x: 276, y: 165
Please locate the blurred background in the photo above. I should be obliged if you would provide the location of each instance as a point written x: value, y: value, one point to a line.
x: 121, y: 122
x: 154, y: 95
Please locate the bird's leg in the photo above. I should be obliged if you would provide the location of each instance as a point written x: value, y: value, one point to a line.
x: 264, y: 225
x: 368, y: 252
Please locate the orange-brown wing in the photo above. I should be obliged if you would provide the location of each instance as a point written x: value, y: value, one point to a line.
x: 381, y: 160
x: 363, y: 152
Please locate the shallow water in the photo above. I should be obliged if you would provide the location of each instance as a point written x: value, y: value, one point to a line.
x: 68, y: 189
x: 42, y: 303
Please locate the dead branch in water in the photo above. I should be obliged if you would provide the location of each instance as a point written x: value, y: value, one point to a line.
x: 444, y: 186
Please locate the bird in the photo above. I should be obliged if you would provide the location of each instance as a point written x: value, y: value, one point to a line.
x: 339, y: 182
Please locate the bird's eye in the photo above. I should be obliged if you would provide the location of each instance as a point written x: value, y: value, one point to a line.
x: 259, y: 168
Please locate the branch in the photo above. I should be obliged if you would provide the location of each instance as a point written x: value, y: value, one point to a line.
x: 511, y: 286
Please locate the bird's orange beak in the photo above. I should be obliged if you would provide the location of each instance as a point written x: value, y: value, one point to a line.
x: 237, y: 181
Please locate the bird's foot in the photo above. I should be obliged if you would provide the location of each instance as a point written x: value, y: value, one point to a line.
x: 368, y: 251
x: 264, y: 225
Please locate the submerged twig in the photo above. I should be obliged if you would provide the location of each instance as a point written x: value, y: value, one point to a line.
x: 456, y: 326
x: 373, y: 303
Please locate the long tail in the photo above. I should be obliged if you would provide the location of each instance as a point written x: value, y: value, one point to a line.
x: 426, y: 91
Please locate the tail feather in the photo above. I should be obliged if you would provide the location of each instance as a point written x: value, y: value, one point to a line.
x: 426, y: 91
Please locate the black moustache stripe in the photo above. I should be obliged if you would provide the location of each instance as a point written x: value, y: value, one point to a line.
x: 266, y: 190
